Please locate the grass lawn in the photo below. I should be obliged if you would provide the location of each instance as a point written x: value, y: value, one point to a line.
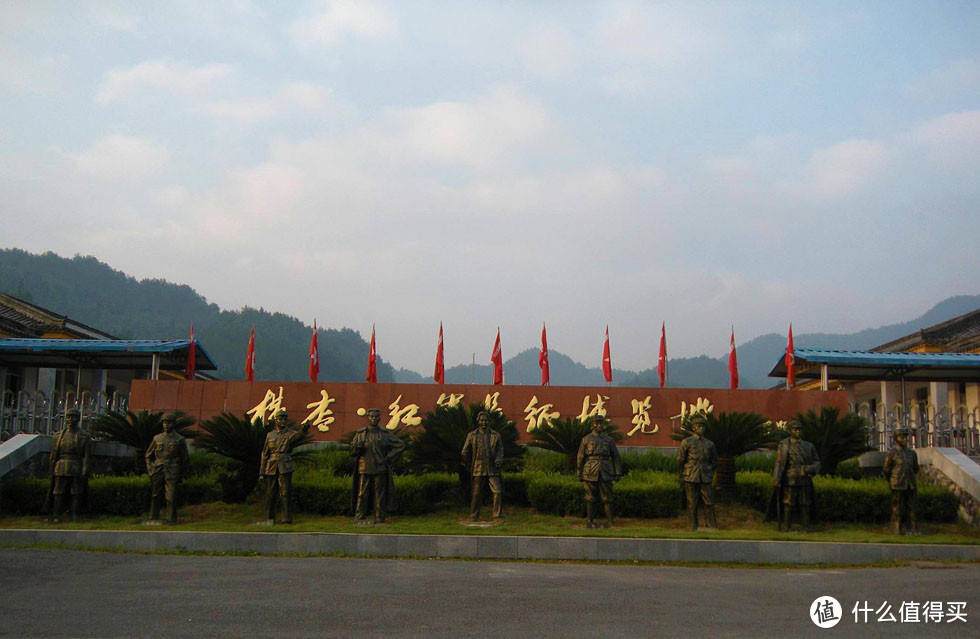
x: 735, y: 522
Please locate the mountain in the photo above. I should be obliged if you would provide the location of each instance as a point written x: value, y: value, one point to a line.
x: 91, y: 292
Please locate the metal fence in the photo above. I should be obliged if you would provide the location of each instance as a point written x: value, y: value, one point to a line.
x: 928, y: 425
x: 40, y: 413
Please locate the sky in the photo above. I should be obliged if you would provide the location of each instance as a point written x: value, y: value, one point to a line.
x: 503, y: 164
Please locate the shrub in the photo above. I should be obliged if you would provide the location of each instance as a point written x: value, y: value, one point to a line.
x: 836, y: 438
x: 758, y: 462
x: 564, y: 436
x: 325, y: 494
x: 652, y: 459
x: 137, y: 430
x: 515, y: 487
x: 643, y: 494
x: 556, y: 495
x: 849, y: 500
x: 543, y: 461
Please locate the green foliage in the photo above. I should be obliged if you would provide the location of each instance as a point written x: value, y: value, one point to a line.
x: 644, y: 494
x: 759, y: 462
x: 241, y: 441
x: 543, y: 461
x: 335, y: 460
x: 861, y: 501
x: 651, y: 459
x: 319, y: 492
x: 836, y: 438
x: 564, y: 434
x: 137, y: 430
x: 90, y: 291
x: 438, y: 446
x: 107, y: 495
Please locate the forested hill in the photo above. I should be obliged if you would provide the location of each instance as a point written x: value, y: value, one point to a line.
x: 91, y: 292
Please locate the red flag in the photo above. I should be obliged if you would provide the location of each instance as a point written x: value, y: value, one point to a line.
x: 497, y: 358
x: 314, y: 356
x: 372, y: 368
x: 543, y: 358
x: 732, y: 364
x: 189, y: 371
x: 440, y: 373
x: 790, y: 360
x: 606, y: 360
x: 250, y: 357
x: 662, y: 360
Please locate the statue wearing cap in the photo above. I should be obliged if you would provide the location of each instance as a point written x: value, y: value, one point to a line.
x: 167, y: 461
x: 598, y: 466
x: 376, y: 449
x: 276, y: 466
x: 697, y: 459
x: 900, y: 469
x: 69, y: 464
x: 797, y: 462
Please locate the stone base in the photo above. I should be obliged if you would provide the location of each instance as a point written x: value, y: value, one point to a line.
x: 480, y: 524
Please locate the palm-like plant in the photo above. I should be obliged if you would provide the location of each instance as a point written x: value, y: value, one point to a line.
x: 836, y: 438
x: 735, y: 434
x: 137, y: 430
x: 564, y: 435
x: 438, y: 445
x: 238, y: 439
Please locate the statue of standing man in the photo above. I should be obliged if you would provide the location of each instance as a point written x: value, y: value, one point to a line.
x: 376, y: 449
x: 697, y: 459
x: 483, y: 455
x: 792, y: 479
x: 598, y: 466
x: 901, y: 468
x: 167, y: 461
x: 69, y: 464
x: 276, y: 466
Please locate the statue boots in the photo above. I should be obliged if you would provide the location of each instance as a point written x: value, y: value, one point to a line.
x: 56, y: 509
x: 709, y: 515
x: 787, y: 519
x: 692, y: 517
x: 590, y: 513
x: 498, y: 506
x: 609, y: 516
x: 913, y: 528
x: 805, y: 516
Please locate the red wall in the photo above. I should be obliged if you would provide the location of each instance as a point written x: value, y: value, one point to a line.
x: 206, y: 399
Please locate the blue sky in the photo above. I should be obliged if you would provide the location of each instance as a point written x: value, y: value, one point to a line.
x: 494, y: 164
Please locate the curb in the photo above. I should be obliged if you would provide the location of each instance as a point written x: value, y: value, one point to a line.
x: 492, y: 547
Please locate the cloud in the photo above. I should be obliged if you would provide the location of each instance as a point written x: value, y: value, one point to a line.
x: 120, y: 157
x: 296, y: 96
x: 951, y: 141
x: 549, y: 52
x: 165, y: 75
x: 342, y: 20
x: 846, y: 167
x: 958, y: 78
x: 26, y: 73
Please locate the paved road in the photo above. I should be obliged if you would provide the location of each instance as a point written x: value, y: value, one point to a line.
x: 60, y: 593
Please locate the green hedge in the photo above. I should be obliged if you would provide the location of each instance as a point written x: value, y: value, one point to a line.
x: 324, y: 494
x: 649, y: 460
x: 850, y: 500
x: 641, y: 494
x: 107, y: 495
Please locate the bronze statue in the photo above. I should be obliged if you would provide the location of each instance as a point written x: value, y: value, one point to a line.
x: 69, y: 464
x: 598, y: 466
x: 276, y: 466
x: 167, y: 461
x: 697, y: 459
x: 376, y: 449
x: 901, y: 467
x: 483, y: 455
x: 792, y: 479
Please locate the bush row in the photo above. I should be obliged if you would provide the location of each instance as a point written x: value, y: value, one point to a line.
x: 643, y: 493
x: 850, y: 500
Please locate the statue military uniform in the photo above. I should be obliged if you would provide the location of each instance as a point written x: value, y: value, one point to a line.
x: 69, y: 464
x: 276, y: 465
x: 483, y: 455
x: 796, y: 463
x: 167, y: 460
x: 376, y: 449
x: 901, y: 467
x: 697, y: 459
x: 598, y: 466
